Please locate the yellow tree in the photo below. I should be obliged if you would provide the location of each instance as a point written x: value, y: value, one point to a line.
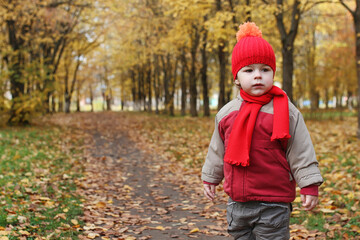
x: 87, y: 36
x: 37, y: 36
x: 288, y: 15
x: 355, y: 13
x: 17, y: 20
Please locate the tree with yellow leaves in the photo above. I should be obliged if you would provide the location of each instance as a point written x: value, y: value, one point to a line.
x: 355, y: 13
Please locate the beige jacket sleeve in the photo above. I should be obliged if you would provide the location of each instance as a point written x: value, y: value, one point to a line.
x: 212, y: 170
x: 300, y: 152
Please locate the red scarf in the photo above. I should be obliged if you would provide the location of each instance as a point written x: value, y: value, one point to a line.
x: 238, y: 148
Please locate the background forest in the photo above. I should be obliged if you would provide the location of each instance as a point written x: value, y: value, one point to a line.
x: 164, y: 55
x: 77, y: 176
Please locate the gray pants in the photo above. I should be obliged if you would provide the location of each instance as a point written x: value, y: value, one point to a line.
x: 258, y: 220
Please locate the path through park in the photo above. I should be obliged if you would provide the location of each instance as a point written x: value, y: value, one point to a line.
x: 134, y: 193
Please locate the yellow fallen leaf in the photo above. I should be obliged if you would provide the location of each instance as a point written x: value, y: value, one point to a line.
x: 351, y: 195
x: 25, y: 181
x: 130, y: 238
x: 295, y: 212
x: 127, y: 187
x: 44, y: 199
x: 194, y: 230
x: 101, y: 205
x: 326, y: 210
x: 21, y: 219
x: 49, y: 204
x: 2, y: 233
x: 4, y: 238
x: 74, y: 221
x: 65, y: 210
x: 89, y: 227
x: 26, y: 233
x: 92, y: 235
x: 65, y: 176
x: 60, y: 215
x: 297, y: 200
x: 160, y: 228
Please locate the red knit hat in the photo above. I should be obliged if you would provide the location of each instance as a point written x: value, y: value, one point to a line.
x: 251, y: 48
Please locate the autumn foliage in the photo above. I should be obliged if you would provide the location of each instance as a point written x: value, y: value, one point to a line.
x: 162, y: 55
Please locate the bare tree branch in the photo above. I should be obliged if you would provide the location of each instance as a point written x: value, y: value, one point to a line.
x: 279, y: 20
x: 309, y: 5
x: 69, y: 2
x: 347, y: 7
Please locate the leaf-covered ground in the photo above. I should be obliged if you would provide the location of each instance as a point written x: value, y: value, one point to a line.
x: 131, y: 192
x: 185, y: 140
x: 137, y: 176
x: 38, y: 166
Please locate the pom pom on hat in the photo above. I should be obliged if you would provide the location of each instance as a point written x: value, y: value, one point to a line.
x: 248, y: 29
x: 251, y: 48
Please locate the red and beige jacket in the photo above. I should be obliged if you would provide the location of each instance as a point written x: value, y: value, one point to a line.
x: 275, y: 167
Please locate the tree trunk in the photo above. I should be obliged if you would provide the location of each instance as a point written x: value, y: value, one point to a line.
x: 67, y: 102
x: 311, y: 73
x: 148, y: 80
x: 156, y: 83
x: 173, y: 88
x: 183, y: 84
x: 91, y: 98
x: 193, y: 77
x: 356, y: 16
x: 288, y: 69
x: 349, y: 102
x: 166, y: 65
x: 61, y: 103
x: 140, y: 87
x: 287, y: 42
x: 53, y: 105
x: 108, y: 99
x: 204, y: 76
x: 78, y: 98
x: 326, y: 98
x: 17, y: 87
x: 52, y: 56
x: 133, y: 88
x: 222, y: 66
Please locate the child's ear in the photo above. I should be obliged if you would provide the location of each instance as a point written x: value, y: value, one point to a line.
x: 237, y: 82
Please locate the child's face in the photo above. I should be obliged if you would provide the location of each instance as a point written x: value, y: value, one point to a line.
x: 255, y: 79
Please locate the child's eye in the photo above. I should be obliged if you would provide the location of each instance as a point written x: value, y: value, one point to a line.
x: 248, y: 70
x: 266, y: 69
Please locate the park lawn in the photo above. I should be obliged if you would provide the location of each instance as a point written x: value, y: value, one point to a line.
x: 186, y: 140
x: 38, y: 170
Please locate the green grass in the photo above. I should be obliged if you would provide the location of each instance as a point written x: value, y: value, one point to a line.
x: 344, y: 221
x: 327, y: 114
x: 37, y: 189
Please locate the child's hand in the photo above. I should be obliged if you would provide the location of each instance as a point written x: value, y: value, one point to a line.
x: 309, y: 201
x: 209, y: 191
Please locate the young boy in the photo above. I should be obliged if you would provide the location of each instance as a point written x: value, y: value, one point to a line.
x: 261, y: 147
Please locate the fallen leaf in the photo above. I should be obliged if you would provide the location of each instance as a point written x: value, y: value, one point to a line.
x: 93, y: 235
x: 195, y: 230
x: 160, y: 228
x: 74, y: 221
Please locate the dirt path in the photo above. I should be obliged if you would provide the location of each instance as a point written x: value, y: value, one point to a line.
x: 132, y: 193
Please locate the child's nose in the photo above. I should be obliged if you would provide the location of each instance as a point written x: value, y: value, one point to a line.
x: 257, y: 73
